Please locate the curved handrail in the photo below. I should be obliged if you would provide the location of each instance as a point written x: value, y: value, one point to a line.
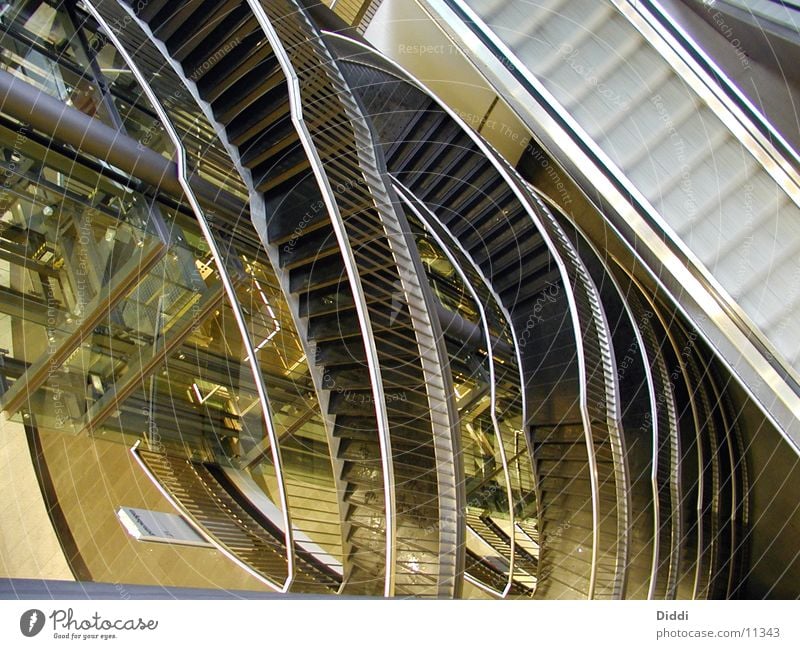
x: 581, y: 277
x: 296, y: 110
x: 230, y: 291
x: 517, y: 185
x: 712, y: 464
x: 697, y: 427
x: 651, y: 391
x: 654, y: 356
x: 257, y: 207
x: 735, y: 464
x: 417, y: 208
x: 740, y: 546
x: 187, y: 515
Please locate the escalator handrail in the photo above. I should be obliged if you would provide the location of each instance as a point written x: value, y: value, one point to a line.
x: 789, y: 4
x: 674, y: 40
x: 625, y: 187
x: 758, y: 14
x: 696, y: 282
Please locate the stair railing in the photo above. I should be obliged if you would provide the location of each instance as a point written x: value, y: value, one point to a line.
x: 228, y: 285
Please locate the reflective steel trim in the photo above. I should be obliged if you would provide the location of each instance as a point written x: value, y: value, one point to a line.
x: 417, y: 207
x: 650, y: 390
x: 230, y: 290
x: 190, y: 519
x: 735, y: 119
x: 296, y: 107
x: 690, y: 389
x: 720, y: 320
x: 524, y: 200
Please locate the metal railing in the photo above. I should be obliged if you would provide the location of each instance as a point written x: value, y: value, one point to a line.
x: 633, y: 218
x: 591, y: 314
x: 599, y: 400
x: 427, y: 218
x: 247, y: 240
x: 230, y: 290
x: 666, y: 451
x: 715, y: 79
x: 678, y: 351
x: 734, y: 478
x: 338, y: 143
x: 663, y: 418
x: 209, y: 517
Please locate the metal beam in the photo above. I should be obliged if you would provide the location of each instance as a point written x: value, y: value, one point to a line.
x: 468, y: 332
x: 144, y: 366
x: 98, y: 310
x: 46, y: 114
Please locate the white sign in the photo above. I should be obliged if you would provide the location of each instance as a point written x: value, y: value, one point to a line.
x: 159, y: 527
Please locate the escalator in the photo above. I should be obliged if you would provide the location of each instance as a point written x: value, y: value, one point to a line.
x: 623, y: 100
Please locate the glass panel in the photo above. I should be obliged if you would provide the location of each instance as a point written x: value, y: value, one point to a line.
x: 219, y: 384
x: 41, y: 47
x: 67, y: 242
x: 161, y: 360
x: 308, y: 476
x: 163, y: 309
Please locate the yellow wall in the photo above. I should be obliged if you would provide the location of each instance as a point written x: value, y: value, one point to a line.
x: 29, y: 548
x: 408, y: 35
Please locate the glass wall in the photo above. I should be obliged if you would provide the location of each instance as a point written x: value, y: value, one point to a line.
x: 114, y: 322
